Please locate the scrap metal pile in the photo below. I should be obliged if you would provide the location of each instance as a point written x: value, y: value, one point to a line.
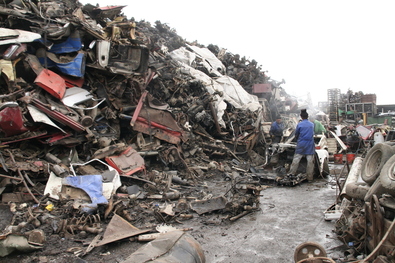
x: 366, y: 225
x: 101, y: 115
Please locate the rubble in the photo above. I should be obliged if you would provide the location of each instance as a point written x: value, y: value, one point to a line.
x: 105, y: 117
x: 108, y: 121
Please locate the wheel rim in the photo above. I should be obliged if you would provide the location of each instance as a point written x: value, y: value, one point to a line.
x: 309, y: 250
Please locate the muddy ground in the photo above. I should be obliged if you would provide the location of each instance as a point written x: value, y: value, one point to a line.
x: 288, y: 216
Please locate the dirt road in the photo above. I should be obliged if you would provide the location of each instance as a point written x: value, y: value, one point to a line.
x: 289, y: 217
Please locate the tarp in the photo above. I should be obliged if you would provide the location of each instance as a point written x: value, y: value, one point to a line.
x: 183, y: 55
x: 225, y: 88
x: 237, y: 95
x: 210, y: 61
x: 211, y: 86
x: 72, y: 44
x: 91, y: 184
x: 73, y: 66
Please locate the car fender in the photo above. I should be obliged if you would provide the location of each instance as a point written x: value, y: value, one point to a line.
x: 322, y: 157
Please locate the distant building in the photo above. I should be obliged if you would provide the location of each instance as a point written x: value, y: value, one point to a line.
x: 351, y: 105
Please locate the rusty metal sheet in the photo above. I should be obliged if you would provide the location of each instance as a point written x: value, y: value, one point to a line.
x: 34, y: 63
x: 51, y: 82
x: 172, y: 247
x: 209, y: 205
x: 108, y: 11
x: 72, y: 81
x: 26, y: 165
x: 60, y: 117
x: 17, y: 243
x: 128, y: 162
x: 161, y: 119
x: 109, y: 150
x: 157, y: 132
x: 138, y: 108
x: 53, y: 138
x: 128, y: 59
x: 25, y: 136
x: 158, y: 123
x: 118, y: 229
x: 19, y: 197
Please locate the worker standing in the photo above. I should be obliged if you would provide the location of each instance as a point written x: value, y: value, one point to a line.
x: 319, y: 128
x: 276, y: 130
x: 304, y: 135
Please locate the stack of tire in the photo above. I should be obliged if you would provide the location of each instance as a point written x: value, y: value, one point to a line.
x: 378, y: 170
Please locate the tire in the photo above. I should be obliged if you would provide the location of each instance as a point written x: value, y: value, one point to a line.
x: 385, y: 183
x: 325, y: 168
x: 375, y: 159
x: 387, y: 176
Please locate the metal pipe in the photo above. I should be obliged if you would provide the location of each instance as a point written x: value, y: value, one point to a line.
x: 10, y: 177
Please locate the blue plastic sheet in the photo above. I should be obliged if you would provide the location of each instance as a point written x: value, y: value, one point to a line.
x: 91, y: 184
x: 75, y: 68
x: 72, y: 44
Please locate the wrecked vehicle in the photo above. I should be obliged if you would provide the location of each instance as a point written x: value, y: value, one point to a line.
x: 367, y: 220
x: 281, y: 156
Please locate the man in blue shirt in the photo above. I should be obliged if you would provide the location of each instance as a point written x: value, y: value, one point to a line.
x: 276, y: 130
x: 305, y: 146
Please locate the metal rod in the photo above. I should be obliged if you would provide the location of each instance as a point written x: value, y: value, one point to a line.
x: 23, y: 179
x: 10, y: 177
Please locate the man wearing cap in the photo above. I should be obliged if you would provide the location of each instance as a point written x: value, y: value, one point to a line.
x: 276, y: 130
x: 305, y: 146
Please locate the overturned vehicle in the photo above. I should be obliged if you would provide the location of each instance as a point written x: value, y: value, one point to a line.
x: 367, y: 222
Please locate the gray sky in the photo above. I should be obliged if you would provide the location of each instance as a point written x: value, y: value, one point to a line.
x: 314, y: 45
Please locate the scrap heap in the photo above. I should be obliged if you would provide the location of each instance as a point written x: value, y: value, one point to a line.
x: 97, y: 109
